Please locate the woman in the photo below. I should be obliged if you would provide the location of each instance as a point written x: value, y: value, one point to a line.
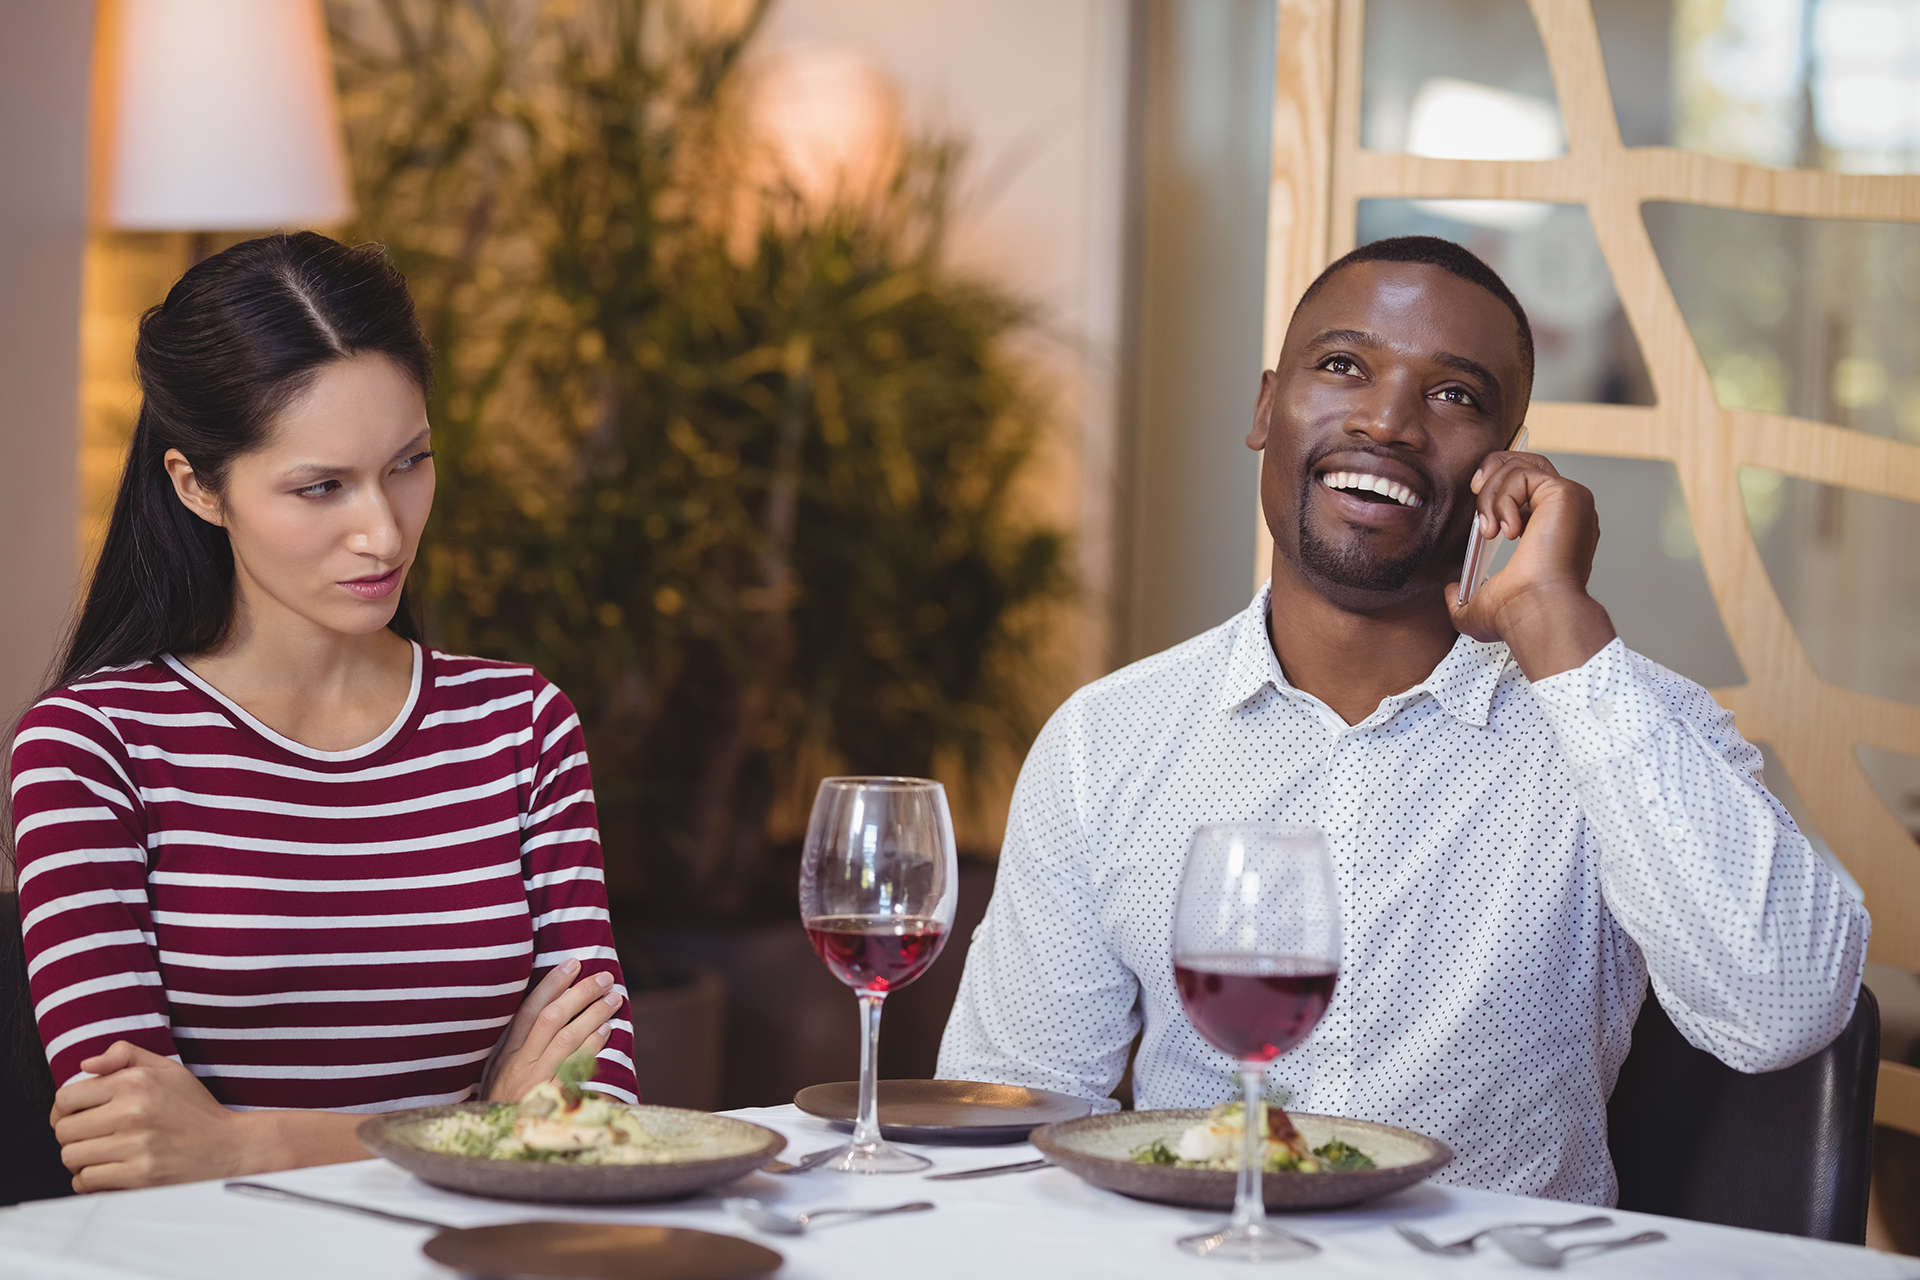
x: 278, y: 861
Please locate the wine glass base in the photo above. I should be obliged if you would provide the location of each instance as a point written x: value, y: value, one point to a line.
x: 878, y: 1157
x: 1254, y: 1243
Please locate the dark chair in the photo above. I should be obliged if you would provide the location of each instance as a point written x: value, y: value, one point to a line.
x: 30, y: 1167
x: 1786, y: 1151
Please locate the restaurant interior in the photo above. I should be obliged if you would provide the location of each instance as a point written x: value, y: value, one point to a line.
x: 830, y: 388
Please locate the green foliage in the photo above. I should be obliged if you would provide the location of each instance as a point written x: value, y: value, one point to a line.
x: 737, y: 473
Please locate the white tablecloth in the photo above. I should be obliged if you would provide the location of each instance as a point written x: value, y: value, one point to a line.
x: 1046, y: 1224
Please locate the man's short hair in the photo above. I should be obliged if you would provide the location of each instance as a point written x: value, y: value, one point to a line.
x: 1451, y: 258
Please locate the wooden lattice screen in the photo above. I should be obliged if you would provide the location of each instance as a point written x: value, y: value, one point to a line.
x: 1320, y: 173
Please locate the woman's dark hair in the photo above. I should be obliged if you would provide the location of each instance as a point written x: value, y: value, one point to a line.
x: 237, y: 339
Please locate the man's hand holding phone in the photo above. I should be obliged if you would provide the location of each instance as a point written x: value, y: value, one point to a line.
x: 1538, y: 603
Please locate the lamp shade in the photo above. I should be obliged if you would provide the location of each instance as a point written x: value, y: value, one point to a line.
x: 830, y: 119
x: 221, y: 116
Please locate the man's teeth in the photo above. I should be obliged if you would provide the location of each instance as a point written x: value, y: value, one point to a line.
x: 1372, y: 484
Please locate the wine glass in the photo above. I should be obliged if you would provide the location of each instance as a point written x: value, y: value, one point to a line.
x: 878, y: 886
x: 1256, y: 949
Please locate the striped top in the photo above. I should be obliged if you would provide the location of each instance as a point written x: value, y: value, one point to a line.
x: 341, y: 930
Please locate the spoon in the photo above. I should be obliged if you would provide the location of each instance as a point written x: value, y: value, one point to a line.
x: 1527, y: 1247
x: 792, y: 1224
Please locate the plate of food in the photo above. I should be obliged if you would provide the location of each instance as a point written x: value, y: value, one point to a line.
x: 1191, y: 1157
x: 563, y: 1144
x: 944, y: 1110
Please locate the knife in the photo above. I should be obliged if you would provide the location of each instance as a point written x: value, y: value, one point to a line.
x: 1025, y: 1166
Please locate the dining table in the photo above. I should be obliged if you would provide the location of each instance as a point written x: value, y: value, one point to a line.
x: 1043, y: 1222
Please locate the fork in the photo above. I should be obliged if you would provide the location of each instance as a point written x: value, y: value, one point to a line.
x: 1460, y: 1248
x: 803, y: 1164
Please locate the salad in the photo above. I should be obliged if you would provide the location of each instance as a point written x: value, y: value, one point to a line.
x: 556, y: 1121
x: 1214, y: 1143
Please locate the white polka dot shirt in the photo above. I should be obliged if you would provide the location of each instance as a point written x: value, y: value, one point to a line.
x: 1514, y: 861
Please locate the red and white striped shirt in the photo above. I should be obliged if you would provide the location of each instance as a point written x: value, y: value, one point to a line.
x: 342, y: 930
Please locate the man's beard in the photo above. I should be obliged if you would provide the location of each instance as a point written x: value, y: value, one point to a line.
x: 1352, y: 565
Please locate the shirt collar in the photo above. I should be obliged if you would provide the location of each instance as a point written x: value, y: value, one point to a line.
x: 1463, y: 684
x: 1251, y: 663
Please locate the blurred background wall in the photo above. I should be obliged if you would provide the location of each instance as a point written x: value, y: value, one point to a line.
x: 1205, y: 84
x: 1042, y: 95
x: 44, y: 59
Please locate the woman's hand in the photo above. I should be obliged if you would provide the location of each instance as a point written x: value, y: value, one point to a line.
x: 143, y: 1121
x: 554, y: 1020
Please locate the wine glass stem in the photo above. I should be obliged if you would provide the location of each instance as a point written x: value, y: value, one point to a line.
x: 1249, y: 1206
x: 866, y: 1130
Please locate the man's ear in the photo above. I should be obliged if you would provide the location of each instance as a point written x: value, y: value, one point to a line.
x: 187, y: 487
x: 1263, y: 410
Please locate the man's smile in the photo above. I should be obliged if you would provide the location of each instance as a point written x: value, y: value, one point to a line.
x: 1363, y: 485
x: 1370, y: 489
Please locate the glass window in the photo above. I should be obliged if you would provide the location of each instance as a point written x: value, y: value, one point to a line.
x: 1843, y: 564
x: 1812, y: 317
x: 1809, y: 84
x: 1460, y: 78
x: 1896, y: 778
x: 1647, y: 571
x: 1792, y: 84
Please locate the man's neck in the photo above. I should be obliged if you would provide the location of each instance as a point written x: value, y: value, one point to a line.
x: 1353, y: 660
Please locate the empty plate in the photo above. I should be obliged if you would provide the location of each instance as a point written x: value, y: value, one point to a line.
x: 945, y: 1110
x: 598, y: 1251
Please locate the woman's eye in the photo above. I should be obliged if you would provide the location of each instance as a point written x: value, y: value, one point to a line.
x: 418, y: 458
x: 1339, y: 364
x: 317, y: 490
x: 1457, y: 395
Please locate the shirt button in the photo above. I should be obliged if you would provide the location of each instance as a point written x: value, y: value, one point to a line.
x: 1601, y: 708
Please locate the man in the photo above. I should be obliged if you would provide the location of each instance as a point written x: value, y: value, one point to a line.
x: 1527, y: 819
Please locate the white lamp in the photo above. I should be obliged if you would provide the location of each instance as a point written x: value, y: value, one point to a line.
x: 830, y: 118
x: 221, y: 117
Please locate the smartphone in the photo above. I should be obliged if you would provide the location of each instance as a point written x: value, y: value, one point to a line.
x: 1477, y: 560
x: 1478, y: 565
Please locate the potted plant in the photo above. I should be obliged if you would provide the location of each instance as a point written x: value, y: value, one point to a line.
x: 737, y: 471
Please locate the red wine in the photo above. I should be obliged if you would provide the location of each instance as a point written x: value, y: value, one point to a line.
x: 877, y: 953
x: 1254, y: 1008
